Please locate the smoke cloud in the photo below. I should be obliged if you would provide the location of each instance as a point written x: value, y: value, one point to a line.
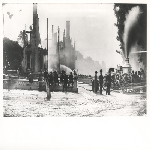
x: 131, y: 30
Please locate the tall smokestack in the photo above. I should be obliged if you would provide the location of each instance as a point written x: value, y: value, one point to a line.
x: 34, y: 8
x: 35, y: 16
x: 58, y: 64
x: 68, y: 29
x: 47, y: 45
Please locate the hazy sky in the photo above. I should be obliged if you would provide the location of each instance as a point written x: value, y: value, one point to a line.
x: 91, y: 25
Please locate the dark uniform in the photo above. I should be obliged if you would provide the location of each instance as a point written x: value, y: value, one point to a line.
x: 108, y: 82
x: 50, y: 78
x: 136, y: 77
x: 96, y: 83
x: 56, y: 78
x: 133, y: 77
x: 62, y: 77
x: 45, y: 75
x: 65, y: 82
x: 31, y: 78
x: 101, y: 81
x: 71, y: 78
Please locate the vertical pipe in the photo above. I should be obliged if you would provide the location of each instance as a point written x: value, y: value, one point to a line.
x: 47, y: 84
x: 58, y: 52
x: 47, y: 43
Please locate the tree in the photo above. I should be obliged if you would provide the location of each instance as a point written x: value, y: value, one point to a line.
x: 12, y: 54
x: 22, y: 39
x: 121, y: 10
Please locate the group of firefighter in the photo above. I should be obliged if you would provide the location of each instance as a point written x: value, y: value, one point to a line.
x: 96, y: 84
x: 110, y: 80
x: 53, y: 79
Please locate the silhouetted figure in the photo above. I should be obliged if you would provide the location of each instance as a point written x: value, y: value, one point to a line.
x: 136, y: 77
x: 56, y: 78
x: 31, y: 78
x: 95, y: 83
x: 71, y: 79
x: 40, y: 76
x: 50, y: 79
x: 118, y: 79
x: 62, y: 77
x: 45, y: 75
x: 142, y: 75
x: 101, y: 81
x: 108, y: 82
x: 65, y: 82
x: 133, y: 77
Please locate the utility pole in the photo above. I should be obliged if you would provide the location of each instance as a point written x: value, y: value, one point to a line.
x: 47, y: 83
x: 58, y: 52
x: 47, y: 43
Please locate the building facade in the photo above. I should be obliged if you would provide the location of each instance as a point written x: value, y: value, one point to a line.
x: 33, y: 54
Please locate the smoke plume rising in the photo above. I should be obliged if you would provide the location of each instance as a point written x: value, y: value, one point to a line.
x: 131, y: 30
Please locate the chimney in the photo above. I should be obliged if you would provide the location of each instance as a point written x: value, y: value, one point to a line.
x: 34, y: 8
x: 35, y: 16
x: 68, y: 29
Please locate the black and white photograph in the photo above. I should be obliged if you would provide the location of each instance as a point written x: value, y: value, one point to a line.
x: 74, y: 60
x: 75, y: 75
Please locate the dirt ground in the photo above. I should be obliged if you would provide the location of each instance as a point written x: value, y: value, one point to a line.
x: 85, y: 103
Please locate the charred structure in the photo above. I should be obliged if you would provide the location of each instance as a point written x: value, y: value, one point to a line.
x: 33, y: 54
x: 67, y: 50
x: 62, y: 52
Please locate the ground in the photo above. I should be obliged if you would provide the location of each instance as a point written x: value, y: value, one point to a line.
x: 85, y: 103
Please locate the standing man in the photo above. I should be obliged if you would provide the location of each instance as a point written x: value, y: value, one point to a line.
x: 31, y: 77
x: 56, y: 78
x: 50, y: 79
x: 95, y: 83
x: 132, y: 76
x: 101, y: 81
x: 108, y: 82
x: 45, y: 75
x: 71, y: 79
x: 65, y: 82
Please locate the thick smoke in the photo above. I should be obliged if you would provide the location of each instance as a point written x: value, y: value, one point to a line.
x: 131, y: 30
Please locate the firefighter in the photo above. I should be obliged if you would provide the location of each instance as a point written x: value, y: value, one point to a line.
x: 71, y: 79
x: 56, y: 78
x: 101, y: 81
x: 95, y: 83
x: 62, y: 77
x: 50, y: 79
x: 108, y: 82
x: 31, y: 78
x: 45, y: 75
x: 65, y: 82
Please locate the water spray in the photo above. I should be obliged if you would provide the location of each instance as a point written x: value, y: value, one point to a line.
x: 131, y: 34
